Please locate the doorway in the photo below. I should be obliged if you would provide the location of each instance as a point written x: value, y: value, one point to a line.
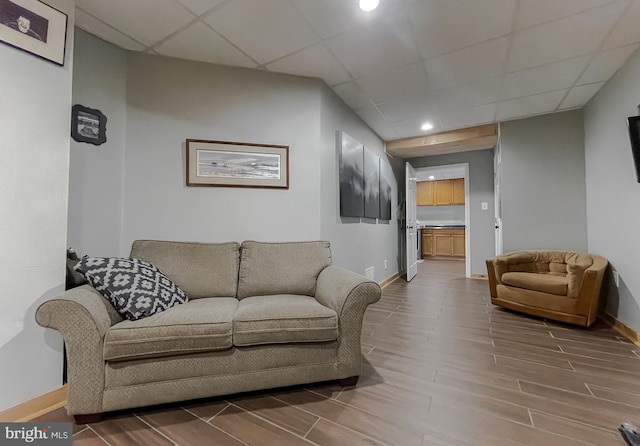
x: 444, y: 223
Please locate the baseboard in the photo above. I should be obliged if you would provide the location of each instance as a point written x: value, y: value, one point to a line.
x: 390, y: 280
x: 36, y: 407
x: 480, y: 276
x: 621, y: 328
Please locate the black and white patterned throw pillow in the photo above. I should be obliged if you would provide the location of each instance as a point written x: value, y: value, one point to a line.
x: 135, y: 288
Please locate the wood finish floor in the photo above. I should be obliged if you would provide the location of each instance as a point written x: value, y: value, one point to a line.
x: 442, y: 366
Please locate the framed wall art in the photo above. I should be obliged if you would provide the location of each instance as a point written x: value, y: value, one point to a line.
x: 237, y: 164
x: 34, y: 27
x: 88, y: 125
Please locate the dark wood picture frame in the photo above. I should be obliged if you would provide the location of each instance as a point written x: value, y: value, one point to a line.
x: 236, y: 164
x: 88, y: 125
x: 34, y: 27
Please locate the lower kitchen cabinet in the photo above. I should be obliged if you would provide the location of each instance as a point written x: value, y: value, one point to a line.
x: 443, y: 242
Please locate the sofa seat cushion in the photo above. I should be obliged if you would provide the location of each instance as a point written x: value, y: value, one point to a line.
x: 201, y: 325
x: 283, y: 318
x: 557, y: 284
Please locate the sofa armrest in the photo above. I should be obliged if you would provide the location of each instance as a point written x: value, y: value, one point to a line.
x: 82, y: 316
x: 348, y: 294
x: 336, y: 286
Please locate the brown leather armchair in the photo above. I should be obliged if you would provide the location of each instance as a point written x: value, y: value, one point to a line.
x: 559, y: 285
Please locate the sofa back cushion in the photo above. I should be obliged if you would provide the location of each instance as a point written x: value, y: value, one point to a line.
x: 199, y: 269
x: 281, y: 268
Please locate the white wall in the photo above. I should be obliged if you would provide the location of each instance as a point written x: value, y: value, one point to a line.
x: 613, y: 194
x: 481, y: 230
x: 356, y: 244
x: 543, y: 183
x: 96, y: 183
x: 35, y: 115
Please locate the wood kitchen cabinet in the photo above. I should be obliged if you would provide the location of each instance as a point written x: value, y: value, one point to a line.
x: 457, y: 191
x: 424, y: 194
x: 458, y: 244
x: 427, y: 242
x: 440, y: 192
x: 443, y: 193
x: 443, y: 242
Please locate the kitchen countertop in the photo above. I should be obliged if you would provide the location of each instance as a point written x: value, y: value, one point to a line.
x: 452, y: 224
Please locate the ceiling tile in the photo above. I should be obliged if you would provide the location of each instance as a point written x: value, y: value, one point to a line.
x: 554, y: 76
x: 561, y: 39
x: 411, y: 127
x: 264, y: 30
x: 331, y: 17
x: 374, y: 46
x: 530, y: 105
x: 371, y: 115
x: 395, y: 83
x: 200, y: 6
x: 199, y: 42
x: 535, y: 12
x: 485, y: 91
x: 419, y: 106
x: 467, y: 117
x: 444, y: 26
x: 352, y: 94
x: 605, y: 64
x: 474, y: 63
x: 627, y: 30
x: 147, y: 21
x: 315, y: 61
x: 386, y: 132
x: 105, y: 32
x: 579, y: 96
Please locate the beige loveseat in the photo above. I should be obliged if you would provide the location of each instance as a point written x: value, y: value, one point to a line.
x: 260, y: 315
x: 559, y: 285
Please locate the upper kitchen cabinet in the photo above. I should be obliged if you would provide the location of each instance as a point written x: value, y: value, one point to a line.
x: 440, y: 192
x: 424, y: 194
x: 457, y: 190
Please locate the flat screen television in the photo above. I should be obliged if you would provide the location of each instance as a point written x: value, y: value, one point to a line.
x: 634, y: 135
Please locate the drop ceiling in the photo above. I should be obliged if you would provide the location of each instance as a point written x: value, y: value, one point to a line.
x: 456, y: 63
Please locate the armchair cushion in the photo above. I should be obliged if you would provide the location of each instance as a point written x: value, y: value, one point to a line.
x: 545, y: 283
x: 135, y: 288
x: 202, y: 325
x: 282, y: 319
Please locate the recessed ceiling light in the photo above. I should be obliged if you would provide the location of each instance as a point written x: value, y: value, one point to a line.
x: 431, y: 177
x: 369, y: 5
x: 427, y: 126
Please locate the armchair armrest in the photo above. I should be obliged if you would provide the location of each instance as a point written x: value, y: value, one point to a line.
x: 348, y: 294
x: 590, y: 288
x: 82, y: 316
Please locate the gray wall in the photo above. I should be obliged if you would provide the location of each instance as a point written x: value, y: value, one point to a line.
x: 167, y: 101
x: 96, y: 183
x: 445, y: 214
x: 170, y: 100
x: 481, y: 230
x: 357, y: 244
x: 543, y: 183
x: 613, y: 194
x: 34, y: 174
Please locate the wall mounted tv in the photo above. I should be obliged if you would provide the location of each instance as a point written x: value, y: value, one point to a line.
x: 634, y: 135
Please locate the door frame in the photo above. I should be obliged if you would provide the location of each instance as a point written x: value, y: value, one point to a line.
x: 467, y: 210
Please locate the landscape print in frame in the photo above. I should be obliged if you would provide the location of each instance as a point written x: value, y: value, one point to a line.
x: 237, y: 164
